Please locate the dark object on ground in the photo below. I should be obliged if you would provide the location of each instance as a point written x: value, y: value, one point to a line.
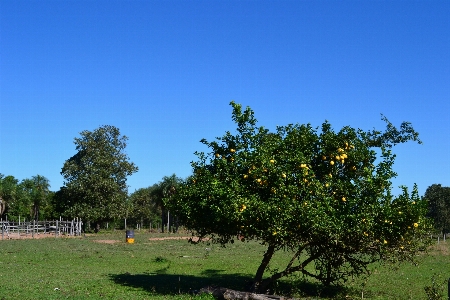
x: 221, y: 293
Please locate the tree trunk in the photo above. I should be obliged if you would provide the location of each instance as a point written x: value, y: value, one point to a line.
x: 257, y: 287
x: 162, y: 220
x: 168, y: 221
x: 97, y: 227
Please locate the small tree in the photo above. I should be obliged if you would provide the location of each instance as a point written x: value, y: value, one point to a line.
x: 166, y: 188
x: 40, y: 194
x: 325, y: 196
x: 145, y: 205
x: 95, y: 177
x: 8, y: 192
x: 438, y: 198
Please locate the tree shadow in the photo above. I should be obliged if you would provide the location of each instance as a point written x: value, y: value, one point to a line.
x: 306, y: 288
x: 159, y: 282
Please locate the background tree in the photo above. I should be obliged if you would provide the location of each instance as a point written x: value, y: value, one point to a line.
x: 438, y: 198
x: 166, y: 189
x: 145, y: 206
x: 8, y: 191
x: 26, y: 198
x: 40, y: 196
x: 95, y: 177
x: 325, y: 196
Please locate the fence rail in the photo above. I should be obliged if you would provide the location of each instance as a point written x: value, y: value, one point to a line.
x: 33, y: 229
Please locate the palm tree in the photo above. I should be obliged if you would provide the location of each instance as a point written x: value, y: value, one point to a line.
x: 166, y: 189
x: 41, y: 191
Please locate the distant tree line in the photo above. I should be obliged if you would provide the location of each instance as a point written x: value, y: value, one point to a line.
x: 94, y: 190
x: 29, y: 198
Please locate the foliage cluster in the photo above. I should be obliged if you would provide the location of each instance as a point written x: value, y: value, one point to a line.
x: 30, y: 198
x: 438, y: 198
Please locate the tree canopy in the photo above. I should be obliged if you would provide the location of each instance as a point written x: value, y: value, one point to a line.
x: 95, y: 177
x: 325, y: 196
x: 438, y: 198
x: 24, y: 198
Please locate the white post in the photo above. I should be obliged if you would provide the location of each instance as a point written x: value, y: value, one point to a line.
x: 168, y: 221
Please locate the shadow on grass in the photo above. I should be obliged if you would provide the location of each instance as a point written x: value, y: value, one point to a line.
x: 160, y: 283
x: 168, y: 284
x: 305, y: 288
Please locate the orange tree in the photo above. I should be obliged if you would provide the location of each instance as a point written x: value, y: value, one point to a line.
x: 322, y: 195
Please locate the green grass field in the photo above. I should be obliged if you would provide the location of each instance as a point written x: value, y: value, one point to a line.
x: 80, y: 268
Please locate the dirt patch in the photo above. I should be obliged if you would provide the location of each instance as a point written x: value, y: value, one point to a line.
x: 107, y: 241
x: 195, y: 239
x: 15, y: 236
x: 442, y: 249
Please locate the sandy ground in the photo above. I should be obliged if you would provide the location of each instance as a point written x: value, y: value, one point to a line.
x: 15, y: 236
x: 150, y: 239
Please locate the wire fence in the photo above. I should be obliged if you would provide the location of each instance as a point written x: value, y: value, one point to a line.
x: 34, y: 229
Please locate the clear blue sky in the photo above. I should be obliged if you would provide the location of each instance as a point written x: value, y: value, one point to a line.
x: 164, y: 72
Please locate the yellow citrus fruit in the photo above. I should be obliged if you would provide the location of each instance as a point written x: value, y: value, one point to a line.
x: 272, y: 161
x: 283, y: 175
x: 340, y: 150
x: 245, y: 176
x: 332, y: 163
x: 232, y: 150
x: 324, y: 157
x: 343, y: 199
x: 258, y: 180
x: 217, y: 155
